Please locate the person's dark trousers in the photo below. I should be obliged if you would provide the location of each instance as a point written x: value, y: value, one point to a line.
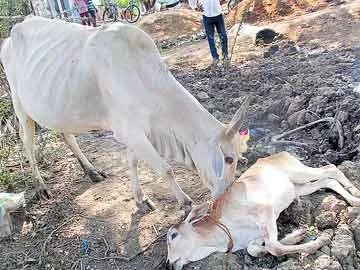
x: 210, y: 23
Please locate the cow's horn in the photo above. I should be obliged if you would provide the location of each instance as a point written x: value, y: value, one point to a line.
x: 238, y: 119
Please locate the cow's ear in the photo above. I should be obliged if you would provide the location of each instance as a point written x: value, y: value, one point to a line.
x: 197, y: 213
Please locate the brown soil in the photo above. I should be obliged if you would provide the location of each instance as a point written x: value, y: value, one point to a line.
x: 275, y: 10
x: 171, y: 23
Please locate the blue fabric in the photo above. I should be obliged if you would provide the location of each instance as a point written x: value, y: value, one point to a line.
x: 210, y: 23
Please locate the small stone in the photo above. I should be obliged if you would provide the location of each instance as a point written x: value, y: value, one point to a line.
x: 326, y: 250
x: 202, y: 96
x: 326, y: 220
x: 343, y: 246
x: 288, y: 265
x: 332, y: 204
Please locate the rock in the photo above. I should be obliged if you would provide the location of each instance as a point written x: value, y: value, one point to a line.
x: 297, y: 118
x: 216, y: 262
x: 326, y: 250
x: 297, y: 104
x: 289, y: 265
x: 326, y: 220
x: 343, y: 246
x: 273, y: 118
x: 299, y: 212
x: 332, y: 204
x: 202, y: 96
x: 343, y: 116
x: 324, y: 262
x: 354, y: 220
x: 237, y: 101
x: 318, y: 104
x: 351, y: 171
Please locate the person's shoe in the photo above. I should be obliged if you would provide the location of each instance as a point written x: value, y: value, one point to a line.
x: 215, y: 62
x: 226, y: 60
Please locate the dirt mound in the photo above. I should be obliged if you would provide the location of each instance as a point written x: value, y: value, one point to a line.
x: 171, y: 24
x: 290, y: 90
x: 274, y: 10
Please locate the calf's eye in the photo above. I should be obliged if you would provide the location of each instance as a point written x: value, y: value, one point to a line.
x: 173, y: 235
x: 229, y: 160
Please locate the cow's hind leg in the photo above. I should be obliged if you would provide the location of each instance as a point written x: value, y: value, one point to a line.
x: 27, y: 133
x: 89, y: 169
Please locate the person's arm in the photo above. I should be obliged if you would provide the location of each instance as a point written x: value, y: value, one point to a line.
x: 193, y: 3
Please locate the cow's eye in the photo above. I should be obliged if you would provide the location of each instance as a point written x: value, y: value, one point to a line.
x: 173, y: 235
x: 229, y: 160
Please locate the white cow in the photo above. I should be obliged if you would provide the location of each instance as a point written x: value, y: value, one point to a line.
x: 73, y: 79
x: 244, y: 217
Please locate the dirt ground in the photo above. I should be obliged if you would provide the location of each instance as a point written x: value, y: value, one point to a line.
x: 288, y: 89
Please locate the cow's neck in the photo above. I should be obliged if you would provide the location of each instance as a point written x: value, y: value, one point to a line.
x: 194, y: 128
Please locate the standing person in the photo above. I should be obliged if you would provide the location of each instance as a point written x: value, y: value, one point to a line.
x: 81, y: 7
x: 213, y: 18
x: 92, y: 10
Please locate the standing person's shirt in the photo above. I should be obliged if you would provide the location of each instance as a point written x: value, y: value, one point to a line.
x: 91, y: 6
x: 211, y: 8
x: 81, y: 6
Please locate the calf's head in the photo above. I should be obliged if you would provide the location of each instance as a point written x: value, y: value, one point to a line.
x: 224, y: 154
x: 193, y: 239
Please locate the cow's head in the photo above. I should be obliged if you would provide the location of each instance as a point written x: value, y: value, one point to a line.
x: 224, y: 153
x: 193, y: 239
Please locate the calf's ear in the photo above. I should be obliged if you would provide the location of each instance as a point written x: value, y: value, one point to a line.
x: 197, y: 213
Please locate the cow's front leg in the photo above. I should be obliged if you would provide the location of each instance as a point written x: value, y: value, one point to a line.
x: 144, y: 150
x: 89, y: 169
x: 136, y: 189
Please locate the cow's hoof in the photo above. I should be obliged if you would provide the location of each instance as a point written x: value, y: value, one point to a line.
x: 43, y: 193
x: 96, y: 176
x: 147, y: 204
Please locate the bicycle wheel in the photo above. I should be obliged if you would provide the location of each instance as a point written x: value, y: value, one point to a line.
x: 132, y: 14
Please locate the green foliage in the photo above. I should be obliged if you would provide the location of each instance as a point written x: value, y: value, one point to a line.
x: 6, y: 109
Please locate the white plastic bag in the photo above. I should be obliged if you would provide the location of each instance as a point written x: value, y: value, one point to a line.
x: 9, y: 202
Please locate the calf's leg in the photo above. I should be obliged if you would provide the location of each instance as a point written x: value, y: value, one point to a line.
x: 276, y: 248
x: 256, y: 248
x: 89, y: 169
x: 301, y: 174
x: 329, y: 183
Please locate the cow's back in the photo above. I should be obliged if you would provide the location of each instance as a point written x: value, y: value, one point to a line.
x: 48, y: 73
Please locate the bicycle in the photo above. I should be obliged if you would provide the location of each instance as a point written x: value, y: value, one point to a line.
x: 132, y: 12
